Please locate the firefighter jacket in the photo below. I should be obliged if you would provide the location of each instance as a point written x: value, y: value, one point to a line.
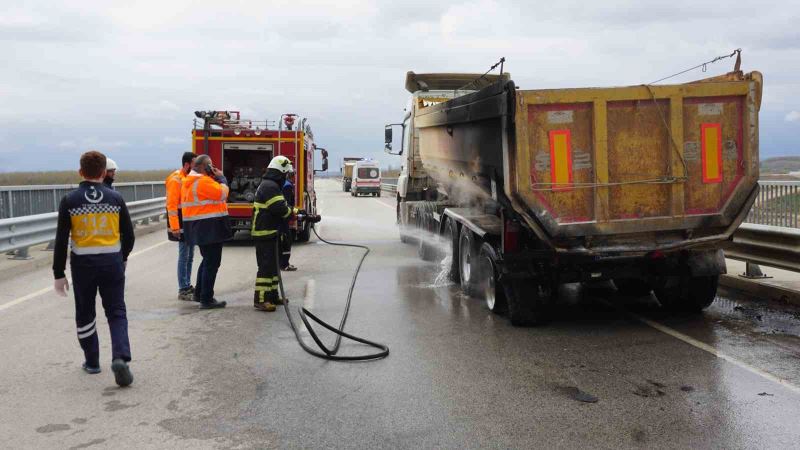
x: 173, y: 184
x: 270, y: 209
x: 95, y: 222
x: 205, y: 209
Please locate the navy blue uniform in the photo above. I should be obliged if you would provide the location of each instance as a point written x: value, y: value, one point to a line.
x: 287, y: 236
x: 95, y: 222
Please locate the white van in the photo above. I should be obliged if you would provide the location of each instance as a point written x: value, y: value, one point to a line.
x: 366, y: 179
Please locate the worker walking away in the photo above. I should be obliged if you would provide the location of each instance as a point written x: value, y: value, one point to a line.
x: 204, y: 207
x: 111, y: 173
x: 97, y: 225
x: 175, y: 227
x: 286, y: 234
x: 270, y: 211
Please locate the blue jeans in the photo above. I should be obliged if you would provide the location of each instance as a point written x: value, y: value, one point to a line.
x: 185, y: 258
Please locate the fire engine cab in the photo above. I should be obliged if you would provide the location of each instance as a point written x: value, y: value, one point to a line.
x: 243, y: 148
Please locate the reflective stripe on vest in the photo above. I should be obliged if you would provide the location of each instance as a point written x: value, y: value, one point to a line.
x: 257, y: 207
x: 100, y: 250
x: 195, y: 209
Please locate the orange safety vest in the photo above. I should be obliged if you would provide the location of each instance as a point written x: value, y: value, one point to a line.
x: 174, y: 183
x: 202, y: 197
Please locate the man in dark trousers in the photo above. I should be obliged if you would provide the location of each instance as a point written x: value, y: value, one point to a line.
x: 204, y: 207
x: 95, y: 222
x: 270, y: 212
x: 287, y: 237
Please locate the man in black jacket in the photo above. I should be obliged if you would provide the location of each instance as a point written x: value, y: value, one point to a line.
x: 270, y: 212
x: 95, y: 221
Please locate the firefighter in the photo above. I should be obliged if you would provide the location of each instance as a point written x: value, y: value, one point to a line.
x: 175, y: 225
x: 205, y: 224
x: 95, y: 221
x: 111, y: 173
x: 286, y: 234
x: 270, y: 211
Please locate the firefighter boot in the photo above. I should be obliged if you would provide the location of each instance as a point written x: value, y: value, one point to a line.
x: 266, y: 306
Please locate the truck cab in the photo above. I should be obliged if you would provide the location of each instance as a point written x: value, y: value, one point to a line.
x: 366, y: 179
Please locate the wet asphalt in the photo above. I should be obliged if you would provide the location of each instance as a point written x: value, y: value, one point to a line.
x: 607, y: 372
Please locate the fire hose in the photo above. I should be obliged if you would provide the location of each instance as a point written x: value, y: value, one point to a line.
x: 324, y: 352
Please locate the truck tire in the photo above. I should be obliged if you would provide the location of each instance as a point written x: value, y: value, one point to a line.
x: 379, y: 194
x: 304, y: 233
x: 527, y: 302
x: 451, y: 242
x: 425, y: 248
x: 467, y: 257
x: 489, y: 288
x: 632, y: 287
x: 688, y: 294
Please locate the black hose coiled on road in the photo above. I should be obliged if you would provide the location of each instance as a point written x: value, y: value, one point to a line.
x: 326, y: 353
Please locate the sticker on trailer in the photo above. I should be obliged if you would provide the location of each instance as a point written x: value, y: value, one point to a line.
x: 709, y: 109
x: 711, y: 140
x: 559, y: 116
x: 560, y: 159
x: 730, y: 152
x: 691, y: 151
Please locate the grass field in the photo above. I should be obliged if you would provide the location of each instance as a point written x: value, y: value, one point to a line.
x: 71, y: 177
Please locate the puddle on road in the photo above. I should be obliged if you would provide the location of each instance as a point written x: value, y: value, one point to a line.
x: 762, y: 317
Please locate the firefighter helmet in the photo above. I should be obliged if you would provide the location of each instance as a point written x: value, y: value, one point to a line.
x: 281, y: 163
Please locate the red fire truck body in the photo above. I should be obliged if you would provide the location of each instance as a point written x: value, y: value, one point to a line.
x: 242, y: 149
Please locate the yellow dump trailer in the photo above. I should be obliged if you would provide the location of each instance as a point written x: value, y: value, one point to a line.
x: 532, y: 188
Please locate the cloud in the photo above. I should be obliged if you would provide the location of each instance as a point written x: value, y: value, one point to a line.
x: 792, y: 116
x: 132, y: 79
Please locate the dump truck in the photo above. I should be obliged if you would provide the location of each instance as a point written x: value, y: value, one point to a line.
x: 243, y: 148
x: 348, y: 163
x: 528, y: 189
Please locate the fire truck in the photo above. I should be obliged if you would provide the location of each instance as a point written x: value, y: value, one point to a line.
x: 243, y: 148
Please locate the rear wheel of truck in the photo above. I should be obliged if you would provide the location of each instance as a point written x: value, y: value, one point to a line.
x: 466, y: 260
x: 632, y: 287
x: 528, y: 302
x: 490, y: 290
x: 378, y: 194
x: 451, y: 242
x: 304, y: 233
x: 688, y: 294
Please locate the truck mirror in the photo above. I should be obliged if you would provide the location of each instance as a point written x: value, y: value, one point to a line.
x: 388, y: 136
x: 325, y: 165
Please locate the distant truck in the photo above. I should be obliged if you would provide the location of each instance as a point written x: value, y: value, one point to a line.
x: 528, y: 189
x: 348, y: 163
x: 366, y: 178
x: 243, y: 148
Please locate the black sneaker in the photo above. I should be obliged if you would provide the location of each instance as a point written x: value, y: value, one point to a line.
x: 122, y: 373
x: 213, y: 304
x: 186, y: 295
x: 89, y: 369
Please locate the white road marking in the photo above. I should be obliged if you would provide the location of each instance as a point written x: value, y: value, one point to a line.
x: 384, y: 204
x: 43, y: 291
x: 707, y: 348
x: 311, y: 288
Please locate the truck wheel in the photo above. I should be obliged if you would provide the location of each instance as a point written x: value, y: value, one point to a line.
x: 451, y: 243
x: 466, y: 260
x: 527, y: 302
x: 632, y: 287
x: 378, y: 194
x: 490, y: 289
x: 688, y: 295
x: 426, y: 249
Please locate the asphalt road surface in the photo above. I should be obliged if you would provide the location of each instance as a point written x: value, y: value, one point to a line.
x: 457, y: 376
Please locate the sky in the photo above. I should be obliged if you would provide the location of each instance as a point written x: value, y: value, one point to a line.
x: 125, y: 77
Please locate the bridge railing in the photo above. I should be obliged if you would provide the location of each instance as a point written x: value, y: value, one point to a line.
x: 19, y: 201
x: 18, y: 234
x: 778, y: 204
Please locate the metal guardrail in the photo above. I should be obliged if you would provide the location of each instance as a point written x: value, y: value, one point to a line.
x: 778, y: 204
x: 766, y: 245
x: 389, y: 184
x: 20, y: 233
x: 19, y: 201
